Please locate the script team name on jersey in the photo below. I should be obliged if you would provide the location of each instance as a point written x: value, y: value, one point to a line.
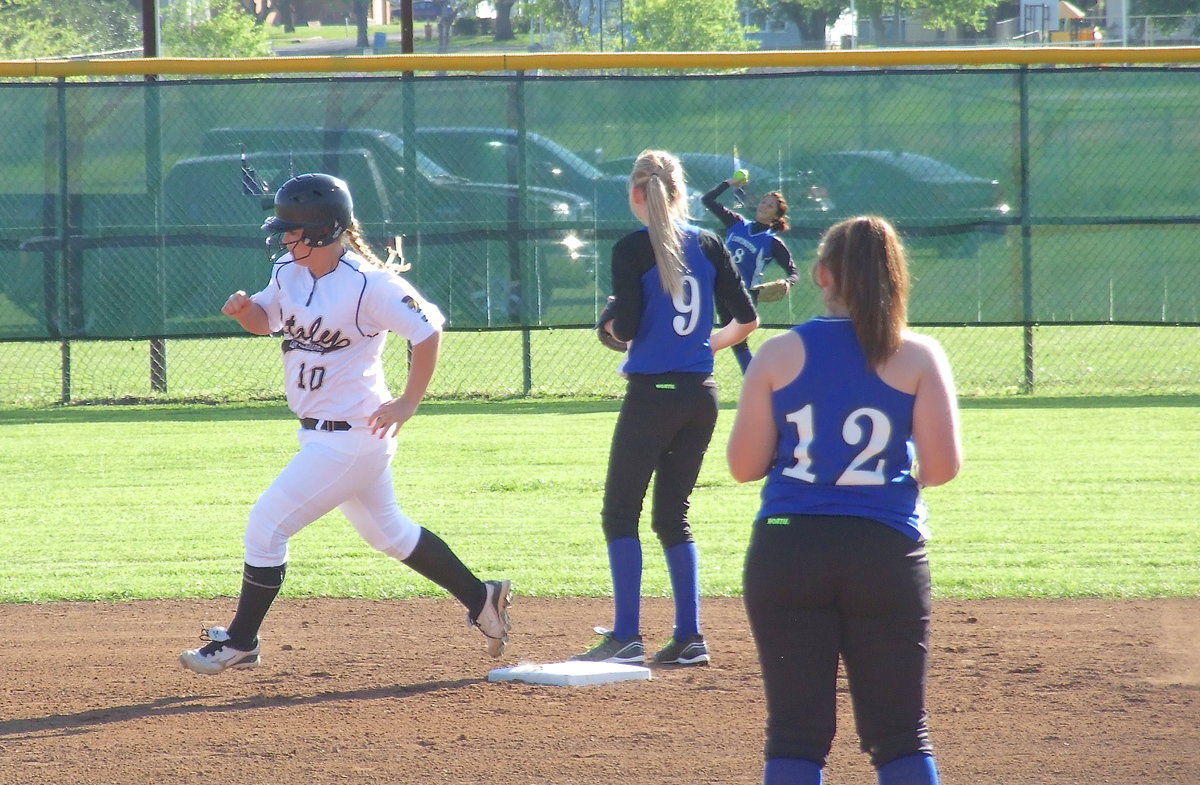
x: 313, y: 338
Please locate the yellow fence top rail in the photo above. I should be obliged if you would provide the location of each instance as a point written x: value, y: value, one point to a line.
x: 557, y: 61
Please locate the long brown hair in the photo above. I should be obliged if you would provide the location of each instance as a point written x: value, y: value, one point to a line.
x: 780, y: 224
x: 866, y: 259
x: 659, y: 176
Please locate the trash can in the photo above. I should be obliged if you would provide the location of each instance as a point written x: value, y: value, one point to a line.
x: 380, y: 42
x: 847, y: 42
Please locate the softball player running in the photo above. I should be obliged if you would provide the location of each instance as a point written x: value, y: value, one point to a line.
x: 831, y: 413
x: 665, y: 277
x: 752, y: 243
x: 335, y: 303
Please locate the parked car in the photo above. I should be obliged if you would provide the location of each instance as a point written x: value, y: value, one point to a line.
x: 422, y: 10
x: 914, y: 191
x: 444, y: 197
x: 490, y: 154
x: 472, y: 255
x: 705, y: 170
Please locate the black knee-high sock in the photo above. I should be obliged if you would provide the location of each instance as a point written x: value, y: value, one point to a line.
x: 433, y: 559
x: 260, y: 585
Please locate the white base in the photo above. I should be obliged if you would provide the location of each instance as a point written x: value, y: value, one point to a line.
x: 571, y: 673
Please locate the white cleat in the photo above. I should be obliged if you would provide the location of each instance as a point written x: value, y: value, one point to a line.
x: 493, y: 619
x: 217, y: 655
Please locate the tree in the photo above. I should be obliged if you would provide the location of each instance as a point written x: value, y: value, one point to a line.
x: 1164, y: 7
x: 445, y: 25
x: 504, y: 28
x: 225, y: 31
x: 811, y: 18
x: 571, y: 19
x: 951, y: 14
x: 1170, y: 12
x: 685, y: 25
x: 359, y: 9
x: 58, y: 28
x: 284, y: 9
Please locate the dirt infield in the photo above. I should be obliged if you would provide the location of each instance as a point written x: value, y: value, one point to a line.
x: 1031, y: 692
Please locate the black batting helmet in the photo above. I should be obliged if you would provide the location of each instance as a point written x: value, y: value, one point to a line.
x: 320, y: 204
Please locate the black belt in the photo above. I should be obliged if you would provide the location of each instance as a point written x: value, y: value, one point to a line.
x: 313, y: 424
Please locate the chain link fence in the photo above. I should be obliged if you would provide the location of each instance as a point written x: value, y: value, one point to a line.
x: 1050, y: 214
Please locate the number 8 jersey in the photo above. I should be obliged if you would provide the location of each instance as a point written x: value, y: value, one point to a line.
x: 334, y: 329
x: 845, y: 438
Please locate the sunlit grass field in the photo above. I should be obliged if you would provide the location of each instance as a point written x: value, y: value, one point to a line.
x: 1079, y: 447
x: 988, y: 361
x: 1060, y: 497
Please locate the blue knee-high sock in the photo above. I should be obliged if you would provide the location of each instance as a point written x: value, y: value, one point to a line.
x: 916, y: 769
x: 792, y: 771
x: 743, y: 355
x: 683, y: 565
x: 625, y: 563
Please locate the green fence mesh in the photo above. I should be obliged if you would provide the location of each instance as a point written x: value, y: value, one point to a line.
x: 1050, y: 214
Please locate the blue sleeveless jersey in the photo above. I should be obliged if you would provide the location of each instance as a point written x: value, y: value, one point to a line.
x: 845, y: 438
x: 673, y: 336
x: 750, y: 250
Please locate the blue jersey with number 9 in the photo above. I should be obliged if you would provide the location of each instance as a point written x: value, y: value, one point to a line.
x: 673, y: 335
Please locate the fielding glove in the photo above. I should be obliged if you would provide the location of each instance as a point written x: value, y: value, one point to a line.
x: 772, y: 291
x: 602, y: 333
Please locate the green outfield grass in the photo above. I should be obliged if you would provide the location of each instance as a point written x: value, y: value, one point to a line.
x: 988, y: 361
x: 1059, y: 498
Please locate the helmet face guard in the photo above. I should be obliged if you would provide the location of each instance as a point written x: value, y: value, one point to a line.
x: 317, y: 204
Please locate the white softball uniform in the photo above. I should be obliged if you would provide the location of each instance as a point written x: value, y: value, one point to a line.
x: 334, y: 329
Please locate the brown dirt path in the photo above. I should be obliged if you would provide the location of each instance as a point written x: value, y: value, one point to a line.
x: 1039, y: 692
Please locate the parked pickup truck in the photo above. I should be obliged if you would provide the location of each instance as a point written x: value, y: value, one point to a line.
x: 491, y: 154
x: 490, y: 254
x: 144, y: 263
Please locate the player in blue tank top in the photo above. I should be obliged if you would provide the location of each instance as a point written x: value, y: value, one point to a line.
x: 669, y: 337
x: 753, y: 244
x: 665, y: 279
x: 818, y: 472
x: 847, y: 416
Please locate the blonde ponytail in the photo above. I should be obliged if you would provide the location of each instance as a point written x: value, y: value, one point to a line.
x: 355, y: 241
x: 659, y: 177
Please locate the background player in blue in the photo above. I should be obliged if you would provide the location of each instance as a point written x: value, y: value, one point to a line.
x: 831, y: 413
x: 665, y: 277
x: 335, y: 303
x: 752, y: 244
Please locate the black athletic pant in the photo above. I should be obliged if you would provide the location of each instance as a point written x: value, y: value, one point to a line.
x: 818, y: 587
x: 664, y: 428
x: 724, y: 317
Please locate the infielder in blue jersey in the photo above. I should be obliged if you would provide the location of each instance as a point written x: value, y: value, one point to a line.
x: 665, y: 278
x: 847, y: 416
x: 753, y: 244
x: 334, y: 303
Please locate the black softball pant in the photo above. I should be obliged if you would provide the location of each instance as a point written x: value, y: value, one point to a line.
x: 664, y: 428
x: 724, y: 317
x: 817, y: 587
